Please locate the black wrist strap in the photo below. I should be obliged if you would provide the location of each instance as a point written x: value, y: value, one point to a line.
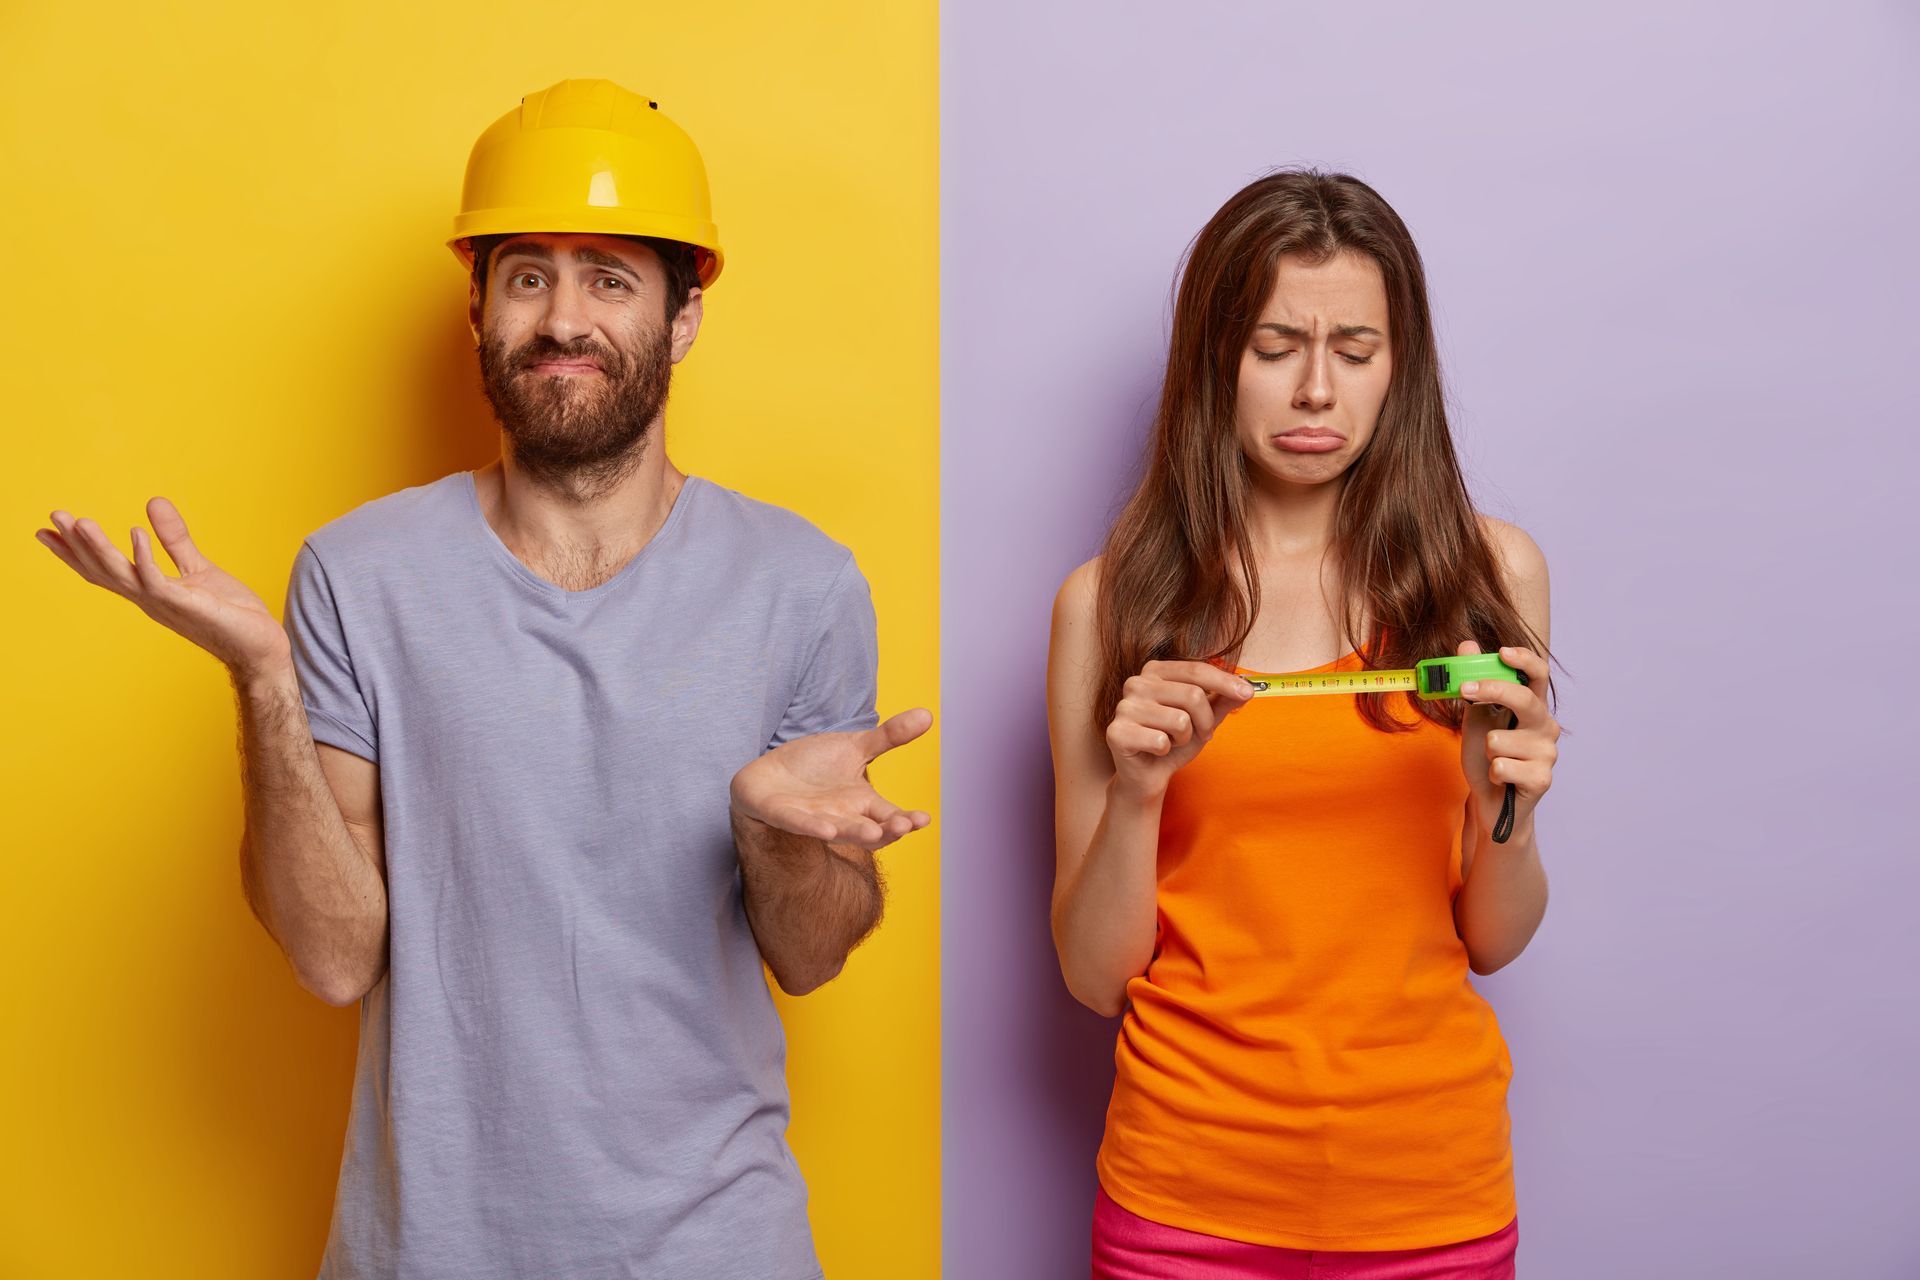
x: 1504, y: 827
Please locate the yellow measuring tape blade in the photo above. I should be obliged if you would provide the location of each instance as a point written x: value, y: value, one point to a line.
x: 1299, y: 684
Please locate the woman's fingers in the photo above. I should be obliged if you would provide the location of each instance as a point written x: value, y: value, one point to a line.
x: 1209, y: 678
x: 1176, y: 722
x: 1521, y: 744
x: 1177, y: 696
x: 1198, y: 704
x: 1517, y: 698
x: 1532, y: 777
x: 1171, y: 705
x: 1522, y: 757
x: 1528, y: 701
x: 1137, y: 739
x: 1523, y: 659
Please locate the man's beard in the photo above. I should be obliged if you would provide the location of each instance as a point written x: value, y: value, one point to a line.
x: 578, y: 433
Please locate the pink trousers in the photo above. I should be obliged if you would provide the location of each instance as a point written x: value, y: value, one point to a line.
x: 1127, y: 1246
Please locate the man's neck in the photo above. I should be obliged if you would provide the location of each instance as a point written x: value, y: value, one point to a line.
x: 578, y: 535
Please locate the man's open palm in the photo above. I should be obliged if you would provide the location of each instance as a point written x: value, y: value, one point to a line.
x: 817, y: 785
x: 206, y: 604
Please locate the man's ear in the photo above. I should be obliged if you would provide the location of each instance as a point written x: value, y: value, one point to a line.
x: 476, y: 310
x: 686, y: 325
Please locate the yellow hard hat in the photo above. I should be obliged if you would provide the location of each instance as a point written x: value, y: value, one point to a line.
x: 588, y: 156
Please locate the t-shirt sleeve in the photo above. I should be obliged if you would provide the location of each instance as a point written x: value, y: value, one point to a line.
x: 336, y: 709
x: 838, y: 683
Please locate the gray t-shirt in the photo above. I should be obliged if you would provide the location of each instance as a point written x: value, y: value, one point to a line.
x: 573, y: 1066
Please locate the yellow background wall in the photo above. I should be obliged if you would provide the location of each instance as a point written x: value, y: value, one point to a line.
x: 225, y: 283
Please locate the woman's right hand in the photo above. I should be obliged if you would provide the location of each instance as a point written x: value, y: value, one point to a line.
x: 205, y: 604
x: 1166, y: 714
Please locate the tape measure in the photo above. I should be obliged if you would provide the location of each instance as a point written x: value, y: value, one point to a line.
x: 1427, y: 680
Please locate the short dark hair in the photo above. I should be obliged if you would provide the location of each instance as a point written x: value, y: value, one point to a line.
x: 681, y: 260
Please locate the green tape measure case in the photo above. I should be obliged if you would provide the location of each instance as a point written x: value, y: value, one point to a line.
x: 1442, y: 677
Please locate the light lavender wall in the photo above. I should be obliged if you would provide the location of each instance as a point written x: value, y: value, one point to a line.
x: 1670, y: 249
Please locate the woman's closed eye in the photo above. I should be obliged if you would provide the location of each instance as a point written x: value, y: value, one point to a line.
x: 1271, y: 356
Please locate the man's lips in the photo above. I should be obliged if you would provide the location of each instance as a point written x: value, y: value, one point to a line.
x: 565, y: 366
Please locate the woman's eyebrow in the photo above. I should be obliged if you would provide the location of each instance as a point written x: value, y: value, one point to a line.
x: 1339, y: 330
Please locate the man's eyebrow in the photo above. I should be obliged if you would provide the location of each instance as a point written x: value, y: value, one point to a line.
x: 601, y: 258
x: 538, y: 252
x: 587, y: 254
x: 1339, y: 330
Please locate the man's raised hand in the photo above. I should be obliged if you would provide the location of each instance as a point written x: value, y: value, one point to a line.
x: 205, y: 604
x: 817, y: 785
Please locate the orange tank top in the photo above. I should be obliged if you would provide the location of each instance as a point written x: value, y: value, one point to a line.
x: 1304, y: 1063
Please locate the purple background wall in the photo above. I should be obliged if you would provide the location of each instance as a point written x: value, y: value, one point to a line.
x: 1671, y: 254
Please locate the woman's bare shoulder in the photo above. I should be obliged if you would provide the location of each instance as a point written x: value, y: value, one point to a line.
x: 1520, y: 555
x: 1075, y: 599
x: 1524, y: 567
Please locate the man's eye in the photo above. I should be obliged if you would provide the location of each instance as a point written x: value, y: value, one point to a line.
x: 524, y: 275
x: 616, y: 279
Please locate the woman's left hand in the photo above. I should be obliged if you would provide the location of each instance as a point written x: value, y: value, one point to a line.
x: 1492, y: 755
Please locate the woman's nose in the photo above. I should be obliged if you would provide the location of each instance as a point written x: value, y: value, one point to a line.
x: 1315, y: 391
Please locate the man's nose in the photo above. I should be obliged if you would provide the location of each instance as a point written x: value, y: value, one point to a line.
x: 565, y: 315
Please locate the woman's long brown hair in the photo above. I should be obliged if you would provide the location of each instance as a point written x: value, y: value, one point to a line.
x: 1178, y: 577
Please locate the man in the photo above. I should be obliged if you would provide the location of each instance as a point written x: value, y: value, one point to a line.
x: 550, y: 756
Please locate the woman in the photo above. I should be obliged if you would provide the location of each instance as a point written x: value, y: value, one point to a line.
x: 1281, y: 898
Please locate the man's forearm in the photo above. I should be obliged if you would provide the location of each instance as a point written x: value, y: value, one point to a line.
x: 1502, y: 902
x: 310, y: 882
x: 809, y: 902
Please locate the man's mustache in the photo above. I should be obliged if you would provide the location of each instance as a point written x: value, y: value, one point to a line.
x: 539, y: 350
